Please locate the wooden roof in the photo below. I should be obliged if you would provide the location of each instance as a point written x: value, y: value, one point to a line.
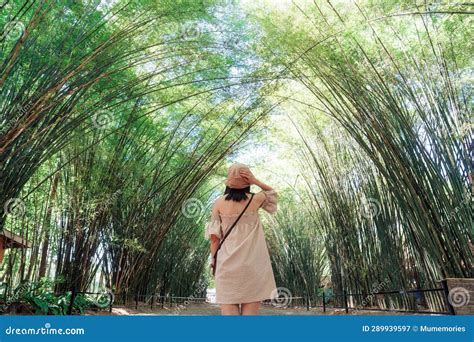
x: 14, y: 241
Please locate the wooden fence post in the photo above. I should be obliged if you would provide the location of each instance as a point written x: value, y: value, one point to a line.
x: 111, y: 298
x: 444, y: 284
x: 346, y: 306
x: 73, y: 298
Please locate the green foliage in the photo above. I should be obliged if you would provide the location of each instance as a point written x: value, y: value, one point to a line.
x: 44, y: 301
x: 297, y: 250
x: 395, y: 89
x: 115, y: 115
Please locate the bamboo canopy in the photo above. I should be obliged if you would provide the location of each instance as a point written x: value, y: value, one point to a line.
x: 118, y: 120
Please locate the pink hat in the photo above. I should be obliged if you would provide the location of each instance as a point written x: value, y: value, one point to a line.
x: 234, y: 180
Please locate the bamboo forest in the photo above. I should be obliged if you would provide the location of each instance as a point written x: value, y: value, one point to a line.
x: 120, y: 118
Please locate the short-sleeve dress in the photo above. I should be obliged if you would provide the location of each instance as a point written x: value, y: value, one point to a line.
x: 244, y: 272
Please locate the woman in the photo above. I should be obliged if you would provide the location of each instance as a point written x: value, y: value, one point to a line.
x: 243, y: 275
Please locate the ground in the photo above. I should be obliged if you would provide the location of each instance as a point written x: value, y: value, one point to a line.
x: 213, y: 310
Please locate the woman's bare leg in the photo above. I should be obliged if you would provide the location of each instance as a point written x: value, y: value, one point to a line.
x: 250, y: 308
x: 230, y: 309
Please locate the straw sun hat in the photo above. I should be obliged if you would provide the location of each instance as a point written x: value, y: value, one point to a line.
x: 234, y: 179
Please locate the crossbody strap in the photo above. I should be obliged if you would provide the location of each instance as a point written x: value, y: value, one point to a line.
x: 233, y: 225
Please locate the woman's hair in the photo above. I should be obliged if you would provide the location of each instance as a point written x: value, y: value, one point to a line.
x: 236, y: 194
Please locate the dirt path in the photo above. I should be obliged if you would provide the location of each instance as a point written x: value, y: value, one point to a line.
x: 208, y: 309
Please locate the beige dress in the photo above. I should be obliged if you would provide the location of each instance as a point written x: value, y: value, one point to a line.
x: 244, y: 272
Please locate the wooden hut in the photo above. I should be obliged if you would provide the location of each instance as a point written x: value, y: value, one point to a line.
x: 11, y: 240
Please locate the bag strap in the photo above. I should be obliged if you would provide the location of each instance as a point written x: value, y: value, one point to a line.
x: 233, y: 225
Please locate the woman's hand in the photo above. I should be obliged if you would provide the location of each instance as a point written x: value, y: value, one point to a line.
x: 248, y: 176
